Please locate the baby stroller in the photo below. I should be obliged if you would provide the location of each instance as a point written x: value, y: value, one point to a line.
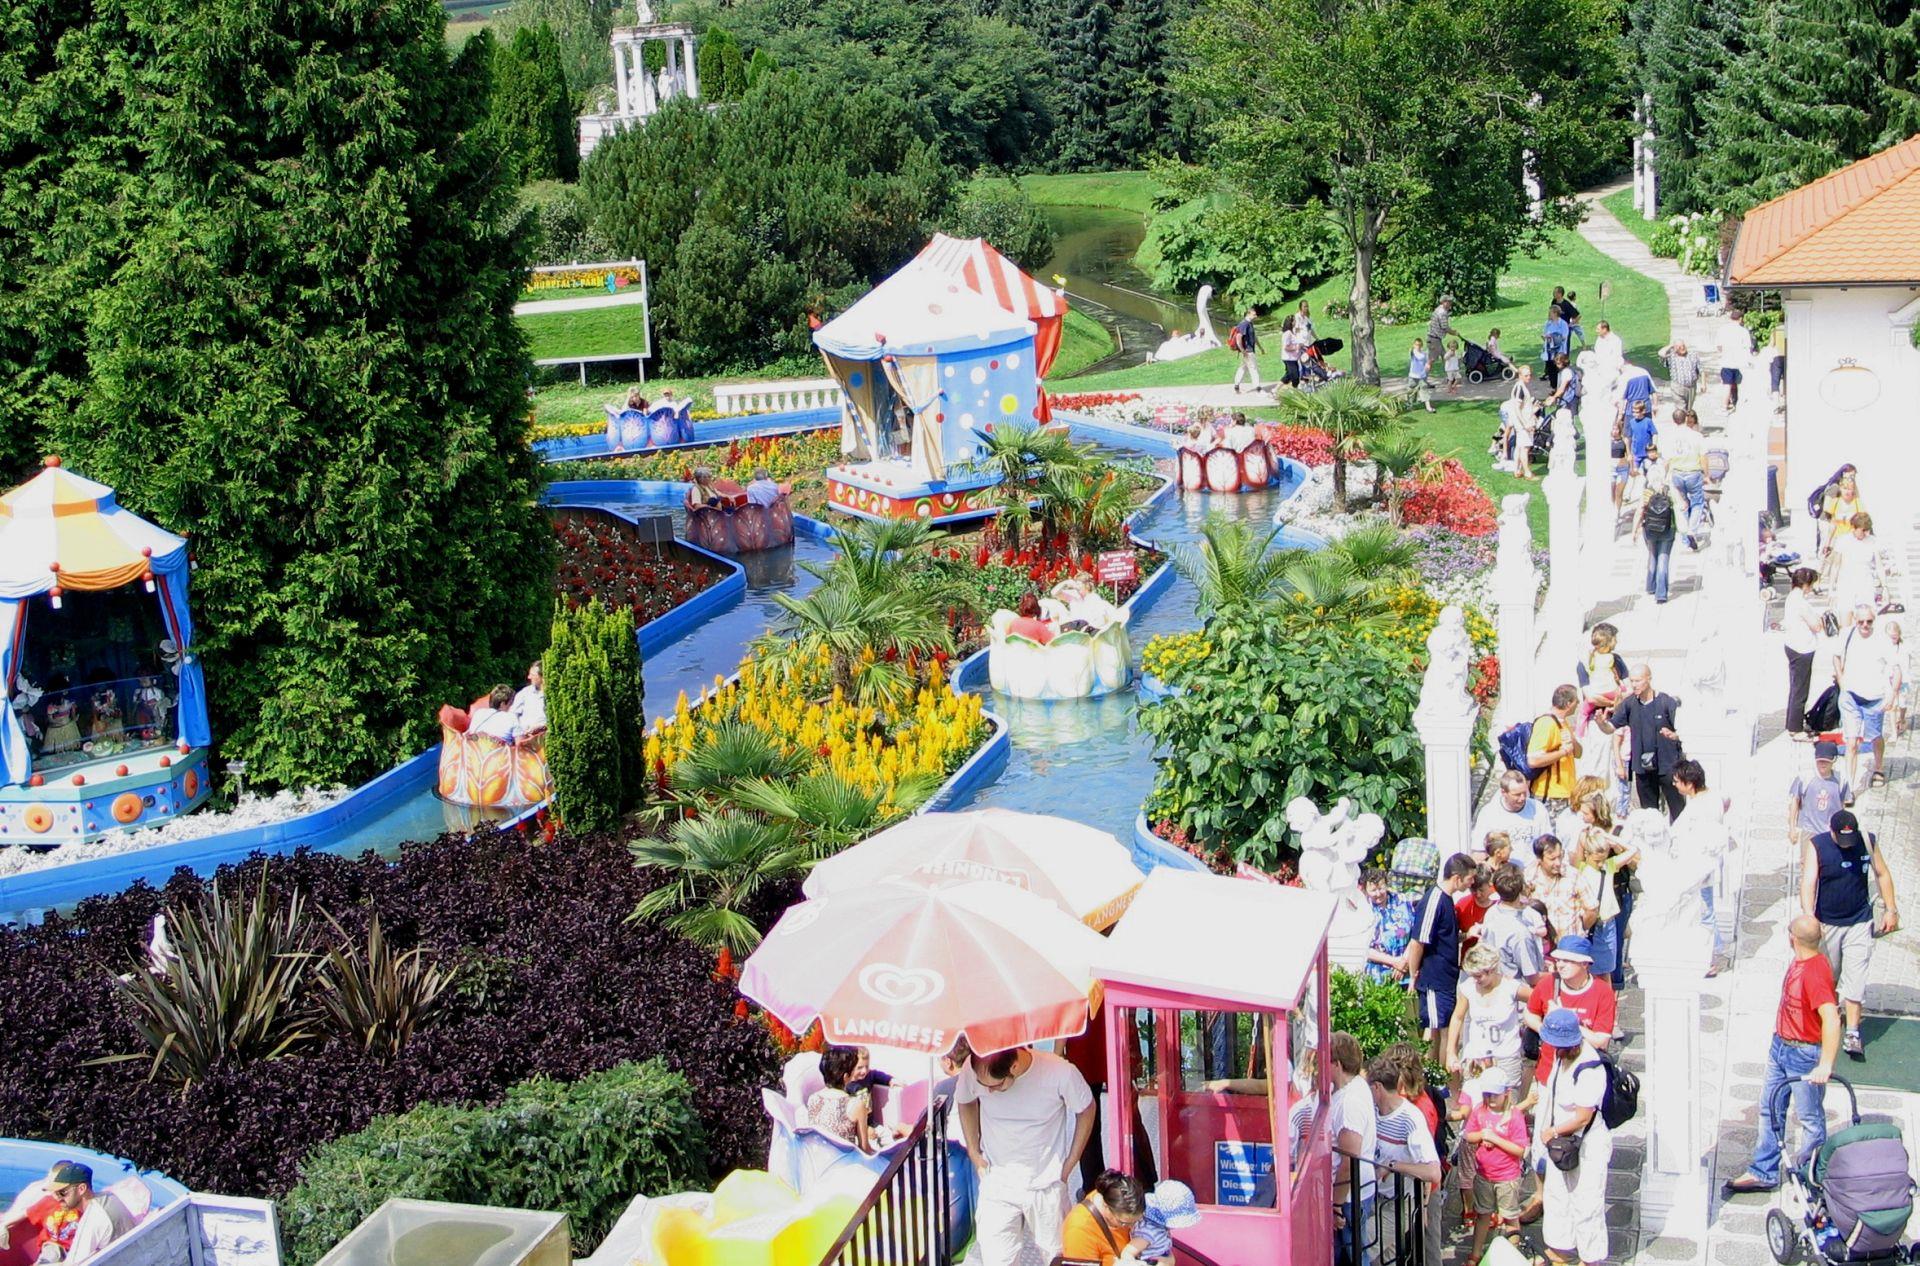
x: 1314, y: 369
x: 1479, y: 366
x: 1851, y: 1202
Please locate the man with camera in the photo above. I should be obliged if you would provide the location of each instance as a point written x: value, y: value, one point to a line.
x: 1647, y: 742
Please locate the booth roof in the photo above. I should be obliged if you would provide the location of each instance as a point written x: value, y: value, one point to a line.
x: 988, y: 272
x: 1233, y: 940
x: 919, y: 311
x: 62, y: 529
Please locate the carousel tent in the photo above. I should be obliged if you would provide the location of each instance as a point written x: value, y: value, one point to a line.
x: 987, y: 272
x: 59, y: 531
x: 923, y: 337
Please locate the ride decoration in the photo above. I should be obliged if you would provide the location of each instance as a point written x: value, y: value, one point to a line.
x: 1222, y: 469
x: 478, y: 769
x: 663, y: 425
x: 870, y: 746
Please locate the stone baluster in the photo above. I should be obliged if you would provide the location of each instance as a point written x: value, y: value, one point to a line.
x: 1445, y: 720
x: 1515, y: 587
x: 1603, y: 522
x: 693, y: 69
x: 622, y: 86
x: 1675, y: 1192
x: 1562, y: 484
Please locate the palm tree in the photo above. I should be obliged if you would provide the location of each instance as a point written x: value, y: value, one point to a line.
x: 1399, y: 458
x: 1021, y: 454
x: 715, y: 866
x: 1085, y: 504
x: 829, y: 812
x: 731, y: 753
x: 872, y: 552
x: 1379, y: 554
x: 1324, y: 586
x: 864, y: 634
x: 1233, y: 564
x: 1354, y: 415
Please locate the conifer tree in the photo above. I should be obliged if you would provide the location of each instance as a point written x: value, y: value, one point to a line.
x: 583, y: 744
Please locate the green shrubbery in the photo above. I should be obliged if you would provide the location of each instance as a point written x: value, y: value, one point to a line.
x: 585, y: 1148
x: 1006, y: 217
x: 595, y: 716
x: 1374, y: 1011
x: 1252, y: 253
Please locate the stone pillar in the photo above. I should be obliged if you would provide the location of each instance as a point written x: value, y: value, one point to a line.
x: 1445, y: 720
x: 1515, y: 586
x: 693, y: 69
x: 622, y: 87
x: 1599, y: 546
x: 1650, y: 204
x: 649, y: 99
x: 1676, y: 1189
x: 1562, y: 485
x: 672, y: 72
x: 1638, y: 191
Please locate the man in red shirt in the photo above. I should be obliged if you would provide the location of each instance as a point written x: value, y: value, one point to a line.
x: 1806, y: 1041
x: 1573, y: 985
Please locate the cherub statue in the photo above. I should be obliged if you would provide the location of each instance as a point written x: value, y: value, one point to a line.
x: 1449, y: 663
x: 1333, y: 844
x: 1669, y: 918
x: 1560, y: 456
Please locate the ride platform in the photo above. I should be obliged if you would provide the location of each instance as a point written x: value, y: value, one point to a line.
x: 891, y: 489
x: 90, y: 799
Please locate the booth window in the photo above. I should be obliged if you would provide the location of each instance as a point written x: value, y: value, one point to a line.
x: 1203, y: 1098
x: 104, y: 685
x: 1304, y: 1107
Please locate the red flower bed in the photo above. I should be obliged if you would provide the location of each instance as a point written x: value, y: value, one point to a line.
x: 603, y: 557
x: 1449, y: 497
x: 1486, y: 680
x: 1091, y: 399
x: 1302, y: 444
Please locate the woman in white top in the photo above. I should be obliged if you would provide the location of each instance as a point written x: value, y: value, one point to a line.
x: 1486, y: 1024
x: 1801, y: 626
x: 1525, y: 412
x: 1861, y: 566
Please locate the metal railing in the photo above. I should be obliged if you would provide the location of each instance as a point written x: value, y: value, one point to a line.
x: 904, y: 1219
x: 1393, y: 1232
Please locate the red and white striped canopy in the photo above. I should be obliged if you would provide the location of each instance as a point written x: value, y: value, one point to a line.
x: 987, y: 271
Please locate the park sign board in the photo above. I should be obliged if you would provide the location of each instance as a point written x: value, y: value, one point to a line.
x: 1117, y: 566
x: 622, y: 283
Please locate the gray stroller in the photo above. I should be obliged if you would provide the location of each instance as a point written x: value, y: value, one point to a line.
x: 1851, y: 1201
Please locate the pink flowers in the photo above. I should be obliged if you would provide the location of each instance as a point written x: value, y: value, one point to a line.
x: 1448, y: 496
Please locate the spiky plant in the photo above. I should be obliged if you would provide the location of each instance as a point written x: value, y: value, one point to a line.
x: 872, y: 553
x: 730, y: 753
x: 377, y: 996
x: 714, y: 866
x: 236, y: 992
x: 1378, y: 554
x: 1233, y: 564
x: 829, y: 812
x: 1398, y: 460
x: 1354, y: 415
x: 864, y: 634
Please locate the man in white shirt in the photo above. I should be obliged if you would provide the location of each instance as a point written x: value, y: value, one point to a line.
x: 1607, y: 345
x: 1403, y: 1144
x: 762, y: 491
x: 1026, y: 1116
x: 1866, y: 666
x: 495, y: 720
x: 103, y: 1219
x: 1353, y: 1125
x: 1736, y: 353
x: 530, y: 705
x: 1514, y: 811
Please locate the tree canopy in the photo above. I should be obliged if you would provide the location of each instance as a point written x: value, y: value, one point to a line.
x: 1409, y: 117
x: 294, y: 338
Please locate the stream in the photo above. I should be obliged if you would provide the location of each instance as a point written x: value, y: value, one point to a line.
x: 1093, y: 250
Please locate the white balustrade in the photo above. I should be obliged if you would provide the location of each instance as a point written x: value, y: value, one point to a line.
x: 778, y: 397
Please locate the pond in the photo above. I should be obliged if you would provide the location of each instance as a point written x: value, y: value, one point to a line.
x: 1094, y: 249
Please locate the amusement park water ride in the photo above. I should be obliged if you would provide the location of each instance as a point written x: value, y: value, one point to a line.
x: 105, y: 727
x: 932, y: 360
x: 1078, y: 649
x: 634, y: 430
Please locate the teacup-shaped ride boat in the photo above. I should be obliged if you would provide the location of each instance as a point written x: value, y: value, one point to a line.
x: 664, y: 424
x: 479, y: 769
x: 737, y: 526
x: 1222, y: 469
x: 1077, y: 664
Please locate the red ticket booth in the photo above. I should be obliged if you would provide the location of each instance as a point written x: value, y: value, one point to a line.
x: 1215, y: 1006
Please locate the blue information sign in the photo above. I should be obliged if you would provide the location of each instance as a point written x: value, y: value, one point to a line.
x: 1243, y: 1174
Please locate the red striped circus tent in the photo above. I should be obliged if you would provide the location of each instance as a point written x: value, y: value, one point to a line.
x: 985, y: 270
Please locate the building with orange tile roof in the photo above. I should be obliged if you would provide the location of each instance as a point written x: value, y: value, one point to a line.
x: 1844, y: 254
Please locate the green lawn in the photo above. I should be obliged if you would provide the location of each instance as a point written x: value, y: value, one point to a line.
x: 591, y: 332
x: 1126, y: 190
x: 1637, y: 309
x: 1621, y: 204
x: 1083, y: 341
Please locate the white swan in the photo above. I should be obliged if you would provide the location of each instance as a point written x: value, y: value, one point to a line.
x: 1181, y: 346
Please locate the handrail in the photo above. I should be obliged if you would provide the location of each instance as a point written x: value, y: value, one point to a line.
x: 907, y: 1207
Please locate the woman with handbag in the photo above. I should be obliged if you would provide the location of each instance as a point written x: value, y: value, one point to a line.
x: 1100, y: 1228
x: 1802, y: 628
x: 1575, y: 1143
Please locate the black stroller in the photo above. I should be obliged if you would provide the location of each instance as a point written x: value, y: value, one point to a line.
x: 1851, y: 1202
x: 1479, y: 366
x: 1314, y: 370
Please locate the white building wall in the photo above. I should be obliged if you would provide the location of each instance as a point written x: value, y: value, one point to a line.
x: 1853, y: 395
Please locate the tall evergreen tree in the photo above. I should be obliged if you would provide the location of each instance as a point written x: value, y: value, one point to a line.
x: 307, y: 356
x: 532, y: 109
x: 1689, y: 46
x: 1809, y: 94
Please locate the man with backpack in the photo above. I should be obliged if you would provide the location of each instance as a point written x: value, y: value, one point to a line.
x: 1647, y: 742
x: 1806, y: 1042
x: 1553, y: 751
x: 1656, y: 521
x: 1575, y: 1141
x: 1244, y: 339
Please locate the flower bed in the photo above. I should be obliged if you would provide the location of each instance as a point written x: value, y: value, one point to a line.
x: 1418, y: 611
x: 800, y: 456
x: 569, y: 430
x: 872, y: 747
x: 1445, y: 495
x: 1170, y: 654
x: 1305, y: 445
x: 602, y: 556
x: 1089, y: 401
x: 995, y: 579
x: 554, y: 978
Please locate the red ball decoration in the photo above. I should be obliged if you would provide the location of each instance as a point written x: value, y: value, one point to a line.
x: 79, y: 780
x: 993, y: 364
x: 120, y: 771
x: 939, y: 417
x: 185, y: 747
x: 51, y: 462
x: 165, y: 761
x: 36, y: 781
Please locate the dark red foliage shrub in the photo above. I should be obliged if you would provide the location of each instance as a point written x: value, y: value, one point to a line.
x: 554, y: 980
x: 602, y: 556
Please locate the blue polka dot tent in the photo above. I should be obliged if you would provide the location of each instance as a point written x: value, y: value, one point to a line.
x: 105, y: 723
x: 931, y: 365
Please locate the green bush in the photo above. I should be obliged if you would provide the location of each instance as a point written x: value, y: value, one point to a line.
x: 1251, y: 253
x: 1007, y: 218
x: 1664, y: 241
x: 614, y: 631
x: 1374, y: 1011
x: 1287, y: 705
x: 532, y: 111
x: 585, y: 1148
x: 554, y: 216
x: 583, y: 725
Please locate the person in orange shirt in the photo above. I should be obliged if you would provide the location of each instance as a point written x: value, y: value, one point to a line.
x: 1100, y: 1228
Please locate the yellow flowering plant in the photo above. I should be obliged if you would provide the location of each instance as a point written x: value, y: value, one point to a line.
x: 1171, y: 655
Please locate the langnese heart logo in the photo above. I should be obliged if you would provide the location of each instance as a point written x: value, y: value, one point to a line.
x: 896, y: 986
x: 801, y: 917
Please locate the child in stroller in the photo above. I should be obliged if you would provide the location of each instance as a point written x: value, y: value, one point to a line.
x: 1850, y: 1202
x: 1314, y: 369
x: 1482, y: 363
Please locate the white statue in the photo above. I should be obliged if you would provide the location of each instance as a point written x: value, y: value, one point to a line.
x: 1449, y: 663
x: 1560, y: 456
x: 1513, y: 547
x: 1181, y: 346
x: 1332, y: 846
x: 1669, y: 917
x: 643, y: 11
